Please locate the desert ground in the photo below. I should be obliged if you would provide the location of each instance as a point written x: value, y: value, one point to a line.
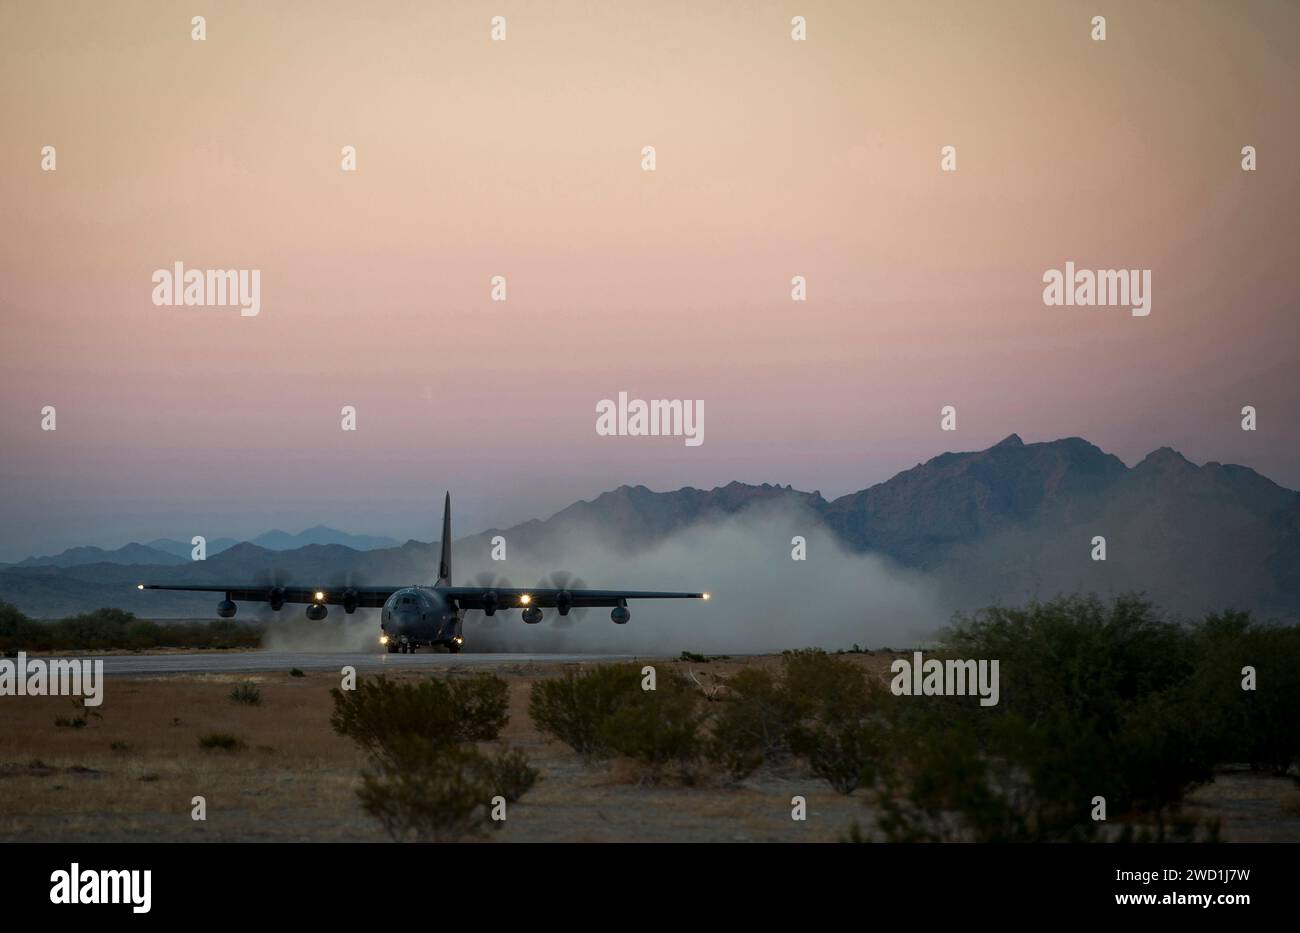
x: 131, y: 772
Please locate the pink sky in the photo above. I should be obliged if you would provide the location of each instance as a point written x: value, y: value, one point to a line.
x: 522, y: 158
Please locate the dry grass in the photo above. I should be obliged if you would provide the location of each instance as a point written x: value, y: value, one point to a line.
x: 295, y: 779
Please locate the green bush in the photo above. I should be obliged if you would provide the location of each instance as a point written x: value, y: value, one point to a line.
x: 751, y: 724
x: 425, y: 782
x: 1077, y: 654
x: 10, y: 620
x: 509, y: 774
x: 821, y: 709
x: 246, y: 693
x: 220, y: 740
x: 1259, y: 727
x: 141, y: 634
x: 658, y: 729
x: 843, y: 749
x: 108, y: 629
x: 574, y: 707
x: 823, y: 686
x: 603, y: 712
x: 1096, y: 700
x: 381, y: 715
x: 442, y: 793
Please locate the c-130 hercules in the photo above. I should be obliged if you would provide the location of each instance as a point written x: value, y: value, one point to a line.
x: 414, y: 616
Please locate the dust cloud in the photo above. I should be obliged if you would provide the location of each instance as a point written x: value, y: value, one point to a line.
x: 762, y: 600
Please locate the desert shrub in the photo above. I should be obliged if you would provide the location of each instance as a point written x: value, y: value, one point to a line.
x: 658, y: 729
x: 80, y: 718
x: 1160, y: 750
x: 425, y: 782
x: 1109, y: 688
x: 603, y: 712
x: 751, y: 723
x: 10, y: 620
x: 296, y: 672
x: 1095, y: 700
x: 1260, y: 727
x: 246, y: 693
x: 219, y: 633
x: 820, y: 708
x: 844, y: 744
x: 483, y: 701
x: 823, y: 686
x: 19, y: 633
x: 101, y: 629
x: 220, y: 740
x: 106, y: 629
x: 574, y: 707
x: 141, y: 633
x: 1076, y: 655
x: 943, y: 785
x: 943, y: 781
x: 442, y: 793
x: 380, y: 715
x: 844, y: 753
x: 509, y: 774
x: 833, y: 724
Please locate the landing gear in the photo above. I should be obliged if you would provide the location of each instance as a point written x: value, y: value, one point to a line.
x: 453, y: 647
x: 392, y: 648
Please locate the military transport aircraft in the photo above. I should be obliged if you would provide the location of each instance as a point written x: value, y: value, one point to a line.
x: 427, y: 615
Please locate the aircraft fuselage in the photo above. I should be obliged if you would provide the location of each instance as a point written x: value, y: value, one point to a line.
x: 420, y: 615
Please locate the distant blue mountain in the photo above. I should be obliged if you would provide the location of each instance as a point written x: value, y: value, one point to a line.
x: 130, y: 554
x: 277, y: 540
x: 169, y: 552
x: 182, y: 550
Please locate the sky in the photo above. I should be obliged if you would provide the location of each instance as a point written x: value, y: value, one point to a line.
x: 523, y: 158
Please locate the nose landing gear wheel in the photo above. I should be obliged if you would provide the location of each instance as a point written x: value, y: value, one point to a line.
x: 453, y: 648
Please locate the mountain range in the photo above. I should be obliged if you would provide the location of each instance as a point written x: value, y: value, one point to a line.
x: 1011, y: 522
x: 166, y: 551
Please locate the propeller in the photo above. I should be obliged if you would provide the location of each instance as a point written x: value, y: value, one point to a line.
x: 489, y: 579
x: 271, y: 580
x: 340, y: 582
x: 564, y: 580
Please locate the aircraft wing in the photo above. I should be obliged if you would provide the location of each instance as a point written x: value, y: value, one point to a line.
x: 476, y: 597
x: 368, y: 597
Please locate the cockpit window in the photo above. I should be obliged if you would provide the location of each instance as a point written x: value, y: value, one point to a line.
x: 407, y: 601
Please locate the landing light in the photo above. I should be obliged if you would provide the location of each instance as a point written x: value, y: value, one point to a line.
x: 525, y: 600
x: 383, y: 639
x: 139, y: 586
x: 707, y: 595
x: 458, y: 640
x: 319, y: 596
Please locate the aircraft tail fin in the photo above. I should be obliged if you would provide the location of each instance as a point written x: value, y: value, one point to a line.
x: 444, y: 563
